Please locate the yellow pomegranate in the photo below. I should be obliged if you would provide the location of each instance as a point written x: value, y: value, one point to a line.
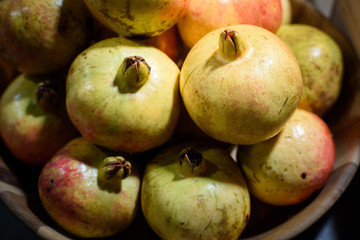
x: 138, y: 18
x: 240, y: 84
x: 194, y: 190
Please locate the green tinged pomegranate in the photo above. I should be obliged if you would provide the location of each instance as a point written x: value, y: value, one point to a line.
x: 39, y: 37
x: 240, y: 84
x: 321, y: 63
x: 124, y: 95
x: 195, y: 191
x: 138, y: 18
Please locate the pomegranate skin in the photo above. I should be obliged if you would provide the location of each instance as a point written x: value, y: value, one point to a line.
x: 292, y: 166
x: 140, y: 19
x: 244, y: 94
x: 70, y: 191
x: 194, y: 190
x: 39, y: 37
x: 32, y: 132
x: 204, y: 16
x: 107, y: 113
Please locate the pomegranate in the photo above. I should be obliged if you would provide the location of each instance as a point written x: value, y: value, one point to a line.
x: 142, y: 19
x: 321, y: 64
x: 194, y: 190
x: 124, y: 95
x: 293, y: 165
x: 204, y: 16
x: 88, y: 191
x: 33, y: 120
x: 38, y: 37
x: 240, y: 84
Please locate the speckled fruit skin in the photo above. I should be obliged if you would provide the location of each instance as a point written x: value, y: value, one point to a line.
x: 38, y: 37
x: 31, y: 133
x: 212, y: 205
x: 129, y: 122
x: 290, y: 167
x: 248, y: 99
x: 138, y: 18
x: 321, y: 63
x: 204, y: 16
x: 69, y: 191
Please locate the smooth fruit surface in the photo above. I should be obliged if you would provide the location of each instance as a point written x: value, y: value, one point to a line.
x: 71, y: 193
x: 293, y: 165
x: 185, y: 197
x: 126, y: 107
x: 243, y: 88
x: 321, y: 63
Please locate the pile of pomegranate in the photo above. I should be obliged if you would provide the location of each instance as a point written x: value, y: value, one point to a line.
x: 182, y: 109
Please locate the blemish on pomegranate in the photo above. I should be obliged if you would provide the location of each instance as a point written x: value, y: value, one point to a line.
x: 223, y: 221
x: 207, y: 226
x: 303, y: 175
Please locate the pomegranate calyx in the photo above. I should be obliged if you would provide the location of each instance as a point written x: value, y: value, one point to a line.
x: 112, y: 171
x: 46, y: 95
x: 230, y: 44
x: 132, y: 74
x: 191, y: 162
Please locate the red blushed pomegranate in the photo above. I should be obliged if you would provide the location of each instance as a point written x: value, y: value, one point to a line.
x: 89, y: 191
x: 290, y: 167
x: 34, y: 123
x: 204, y: 16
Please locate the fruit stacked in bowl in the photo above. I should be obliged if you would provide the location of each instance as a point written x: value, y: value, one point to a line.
x: 189, y: 119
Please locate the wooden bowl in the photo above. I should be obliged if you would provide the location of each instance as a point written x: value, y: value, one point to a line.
x: 18, y: 182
